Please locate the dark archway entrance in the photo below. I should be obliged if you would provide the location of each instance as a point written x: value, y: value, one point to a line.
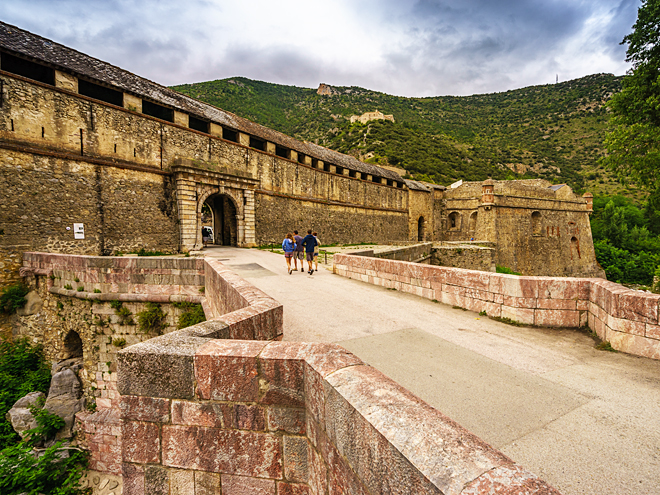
x: 223, y: 212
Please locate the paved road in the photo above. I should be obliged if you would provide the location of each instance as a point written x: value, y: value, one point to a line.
x: 586, y: 421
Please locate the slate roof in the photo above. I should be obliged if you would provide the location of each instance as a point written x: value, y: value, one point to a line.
x: 19, y: 41
x: 417, y: 185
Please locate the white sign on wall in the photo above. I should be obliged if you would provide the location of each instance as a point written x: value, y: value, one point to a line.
x: 78, y: 231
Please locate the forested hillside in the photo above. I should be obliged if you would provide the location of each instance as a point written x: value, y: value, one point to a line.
x: 552, y: 131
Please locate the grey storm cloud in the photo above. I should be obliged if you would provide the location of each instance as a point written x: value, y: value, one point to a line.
x: 422, y: 48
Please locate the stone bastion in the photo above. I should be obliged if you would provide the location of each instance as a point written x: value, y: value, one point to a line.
x: 225, y: 407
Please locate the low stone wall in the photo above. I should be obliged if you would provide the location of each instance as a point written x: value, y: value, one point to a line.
x: 234, y: 309
x: 232, y: 417
x: 628, y: 319
x: 416, y: 253
x: 469, y: 255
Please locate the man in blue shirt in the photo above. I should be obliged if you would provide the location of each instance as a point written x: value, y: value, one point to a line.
x: 310, y: 243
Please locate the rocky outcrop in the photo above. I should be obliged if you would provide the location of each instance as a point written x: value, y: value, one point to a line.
x: 32, y: 306
x: 21, y: 417
x: 65, y: 399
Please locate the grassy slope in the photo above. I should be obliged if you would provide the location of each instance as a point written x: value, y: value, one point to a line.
x: 552, y: 131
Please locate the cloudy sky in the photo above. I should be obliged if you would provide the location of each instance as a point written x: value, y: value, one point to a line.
x: 401, y: 47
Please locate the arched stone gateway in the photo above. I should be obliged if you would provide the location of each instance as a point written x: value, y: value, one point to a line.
x: 229, y: 194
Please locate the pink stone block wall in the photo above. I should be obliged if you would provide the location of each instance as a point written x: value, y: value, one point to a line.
x: 285, y: 418
x: 628, y: 319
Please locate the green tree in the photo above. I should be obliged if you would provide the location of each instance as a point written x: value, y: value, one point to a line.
x: 634, y: 140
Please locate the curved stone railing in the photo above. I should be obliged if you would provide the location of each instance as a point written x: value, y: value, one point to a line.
x: 628, y: 319
x: 233, y: 307
x: 225, y: 416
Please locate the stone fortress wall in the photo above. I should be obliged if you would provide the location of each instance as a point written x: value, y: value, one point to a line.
x: 84, y: 142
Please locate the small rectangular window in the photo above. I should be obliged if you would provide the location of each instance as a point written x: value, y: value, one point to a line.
x: 25, y: 68
x: 352, y: 173
x: 375, y: 179
x: 198, y: 124
x: 340, y: 170
x: 301, y: 158
x: 257, y: 144
x: 281, y: 152
x: 326, y: 167
x: 230, y: 134
x: 99, y: 92
x: 158, y: 111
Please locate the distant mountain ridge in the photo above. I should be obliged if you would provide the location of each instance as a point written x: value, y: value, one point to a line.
x: 552, y: 131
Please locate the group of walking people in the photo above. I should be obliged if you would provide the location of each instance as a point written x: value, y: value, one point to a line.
x: 293, y: 246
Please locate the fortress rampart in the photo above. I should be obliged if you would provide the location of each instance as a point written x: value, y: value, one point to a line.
x: 133, y: 163
x: 628, y: 319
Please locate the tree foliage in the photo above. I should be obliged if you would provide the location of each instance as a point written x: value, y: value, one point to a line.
x: 633, y: 142
x: 23, y: 369
x: 55, y: 471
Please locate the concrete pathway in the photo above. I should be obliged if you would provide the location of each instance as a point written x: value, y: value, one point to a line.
x: 586, y: 421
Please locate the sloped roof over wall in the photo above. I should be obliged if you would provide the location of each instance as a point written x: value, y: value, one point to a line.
x: 19, y: 41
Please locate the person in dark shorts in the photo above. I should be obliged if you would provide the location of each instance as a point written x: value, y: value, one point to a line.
x: 298, y: 255
x: 289, y: 247
x: 310, y: 243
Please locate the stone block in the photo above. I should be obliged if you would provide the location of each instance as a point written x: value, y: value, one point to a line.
x: 568, y: 304
x: 582, y: 305
x: 202, y: 414
x: 318, y: 473
x: 239, y: 485
x: 634, y: 344
x: 140, y: 442
x: 515, y: 286
x: 159, y: 367
x: 207, y: 483
x: 284, y: 488
x: 652, y: 331
x: 287, y: 420
x: 182, y: 482
x: 248, y: 417
x: 558, y: 288
x: 227, y: 370
x: 156, y: 480
x: 214, y: 450
x: 133, y: 479
x: 520, y: 315
x: 314, y: 394
x: 295, y: 458
x: 452, y: 299
x: 519, y: 302
x: 557, y: 318
x: 145, y: 409
x: 627, y: 326
x: 468, y: 278
x: 632, y: 305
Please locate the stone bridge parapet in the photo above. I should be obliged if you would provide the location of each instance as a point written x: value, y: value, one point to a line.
x: 626, y: 318
x: 234, y: 417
